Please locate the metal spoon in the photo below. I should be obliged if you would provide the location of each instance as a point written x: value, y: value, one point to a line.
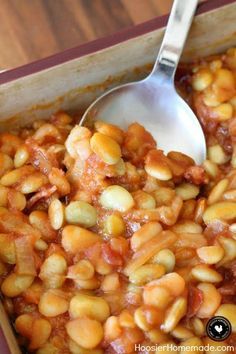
x: 154, y: 102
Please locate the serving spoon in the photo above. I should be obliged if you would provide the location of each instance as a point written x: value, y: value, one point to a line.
x: 153, y: 102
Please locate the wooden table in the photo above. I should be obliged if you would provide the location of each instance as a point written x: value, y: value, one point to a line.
x: 33, y: 29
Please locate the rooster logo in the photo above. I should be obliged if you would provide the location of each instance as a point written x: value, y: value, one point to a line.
x: 219, y: 328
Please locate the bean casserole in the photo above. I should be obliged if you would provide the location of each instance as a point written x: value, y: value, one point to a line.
x: 106, y: 242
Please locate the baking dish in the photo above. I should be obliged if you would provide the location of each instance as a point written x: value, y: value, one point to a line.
x: 72, y: 79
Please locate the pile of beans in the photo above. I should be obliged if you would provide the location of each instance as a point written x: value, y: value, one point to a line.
x: 106, y: 242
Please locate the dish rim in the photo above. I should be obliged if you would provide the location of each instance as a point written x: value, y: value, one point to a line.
x: 99, y: 44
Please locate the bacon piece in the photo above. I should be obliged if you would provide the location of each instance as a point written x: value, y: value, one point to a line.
x: 111, y: 256
x: 16, y: 223
x: 196, y: 175
x: 137, y: 143
x: 40, y: 159
x: 195, y: 299
x: 25, y: 261
x: 205, y: 114
x: 43, y: 193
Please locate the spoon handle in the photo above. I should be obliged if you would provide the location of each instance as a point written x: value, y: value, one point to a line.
x: 177, y: 29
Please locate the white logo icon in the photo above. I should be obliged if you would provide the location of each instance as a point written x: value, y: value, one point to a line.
x: 219, y: 329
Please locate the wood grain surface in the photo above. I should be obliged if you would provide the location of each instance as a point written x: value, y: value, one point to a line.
x: 33, y: 29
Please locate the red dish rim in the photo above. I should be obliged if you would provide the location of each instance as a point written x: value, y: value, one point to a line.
x: 89, y: 48
x: 99, y: 44
x: 3, y: 343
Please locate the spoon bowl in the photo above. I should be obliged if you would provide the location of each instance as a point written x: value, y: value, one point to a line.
x: 154, y: 102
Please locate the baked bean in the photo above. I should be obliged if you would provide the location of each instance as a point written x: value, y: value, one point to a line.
x: 76, y: 239
x: 157, y: 167
x: 41, y: 331
x: 211, y: 300
x: 224, y: 84
x: 12, y: 177
x: 56, y: 214
x: 47, y: 348
x: 91, y: 306
x: 102, y: 267
x: 116, y: 198
x: 187, y: 191
x: 228, y: 311
x: 157, y: 296
x: 218, y: 190
x: 15, y: 284
x: 157, y: 336
x: 211, y: 168
x: 77, y: 134
x: 40, y: 221
x: 82, y: 270
x: 203, y: 273
x: 202, y: 79
x: 9, y: 143
x: 229, y: 246
x: 210, y: 254
x: 7, y: 249
x: 224, y: 111
x: 80, y: 331
x: 110, y: 130
x: 172, y: 281
x: 110, y: 282
x: 164, y: 196
x: 166, y: 258
x: 112, y: 329
x: 118, y: 169
x: 32, y: 183
x: 41, y: 245
x: 23, y: 325
x: 198, y: 326
x: 106, y: 148
x: 199, y: 210
x: 6, y: 164
x: 146, y: 273
x: 181, y: 333
x: 53, y: 271
x: 162, y: 291
x: 141, y: 320
x: 192, y: 240
x: 46, y: 130
x: 144, y: 200
x: 187, y: 227
x: 53, y: 303
x: 21, y: 156
x: 230, y: 195
x: 126, y: 319
x: 144, y: 234
x: 221, y: 210
x: 217, y: 155
x: 174, y: 314
x: 114, y: 225
x: 88, y: 284
x: 81, y: 213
